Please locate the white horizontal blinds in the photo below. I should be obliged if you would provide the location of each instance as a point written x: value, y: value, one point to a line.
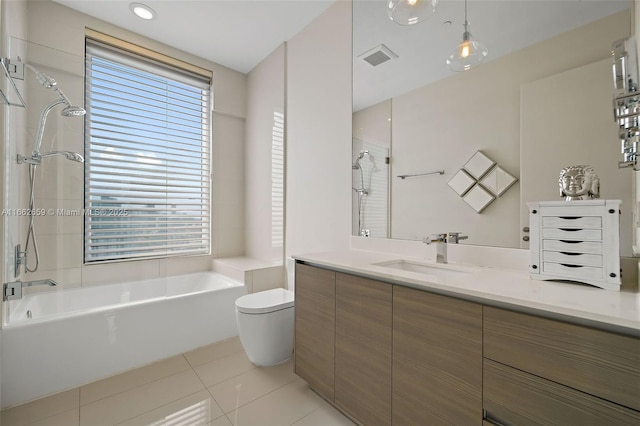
x: 147, y: 178
x: 277, y: 181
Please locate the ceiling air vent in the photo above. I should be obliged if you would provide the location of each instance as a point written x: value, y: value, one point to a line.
x: 378, y: 55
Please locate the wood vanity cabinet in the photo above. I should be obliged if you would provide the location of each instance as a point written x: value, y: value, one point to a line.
x: 543, y: 371
x: 314, y: 339
x: 437, y: 359
x: 363, y: 349
x: 388, y: 354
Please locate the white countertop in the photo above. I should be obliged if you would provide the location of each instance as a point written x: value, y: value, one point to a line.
x: 617, y: 311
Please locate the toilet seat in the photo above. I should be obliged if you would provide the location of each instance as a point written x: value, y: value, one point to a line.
x: 265, y: 301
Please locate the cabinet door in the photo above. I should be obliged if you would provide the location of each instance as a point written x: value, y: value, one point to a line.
x: 315, y: 328
x: 363, y: 349
x: 437, y: 359
x: 513, y: 397
x: 597, y: 362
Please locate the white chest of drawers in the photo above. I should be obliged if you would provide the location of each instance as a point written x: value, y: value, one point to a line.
x: 576, y: 241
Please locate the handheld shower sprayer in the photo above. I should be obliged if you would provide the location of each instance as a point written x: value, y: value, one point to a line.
x: 36, y: 158
x: 69, y: 111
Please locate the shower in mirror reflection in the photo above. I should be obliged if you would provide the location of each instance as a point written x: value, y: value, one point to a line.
x: 361, y: 192
x: 36, y: 158
x: 370, y: 189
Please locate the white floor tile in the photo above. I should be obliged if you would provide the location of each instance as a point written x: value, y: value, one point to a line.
x: 222, y: 369
x: 126, y: 405
x: 132, y: 379
x: 324, y: 416
x: 40, y: 409
x: 67, y: 418
x: 221, y: 421
x: 198, y: 409
x: 246, y: 387
x: 215, y: 351
x: 171, y: 392
x: 283, y: 406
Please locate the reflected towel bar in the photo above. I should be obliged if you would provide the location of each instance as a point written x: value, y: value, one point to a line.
x: 440, y: 172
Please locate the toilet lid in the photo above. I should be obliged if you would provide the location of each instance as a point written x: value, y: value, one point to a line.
x: 265, y: 301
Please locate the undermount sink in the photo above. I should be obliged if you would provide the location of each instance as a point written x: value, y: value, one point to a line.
x: 447, y: 271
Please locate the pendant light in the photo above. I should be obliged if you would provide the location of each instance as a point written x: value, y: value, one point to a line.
x: 468, y: 54
x: 410, y: 12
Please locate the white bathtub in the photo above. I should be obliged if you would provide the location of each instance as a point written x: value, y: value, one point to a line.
x: 76, y: 336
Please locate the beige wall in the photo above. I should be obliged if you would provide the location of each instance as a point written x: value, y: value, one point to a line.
x: 54, y: 36
x: 319, y: 134
x: 555, y: 136
x: 440, y: 126
x: 373, y: 124
x: 265, y: 97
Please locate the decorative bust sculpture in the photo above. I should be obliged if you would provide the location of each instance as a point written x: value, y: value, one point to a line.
x: 579, y: 183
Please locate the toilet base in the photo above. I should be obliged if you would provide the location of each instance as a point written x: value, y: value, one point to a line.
x: 267, y: 339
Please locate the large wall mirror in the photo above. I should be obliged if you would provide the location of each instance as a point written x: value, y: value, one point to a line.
x: 541, y: 101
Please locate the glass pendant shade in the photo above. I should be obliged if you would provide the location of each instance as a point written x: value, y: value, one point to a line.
x: 410, y: 12
x: 467, y: 55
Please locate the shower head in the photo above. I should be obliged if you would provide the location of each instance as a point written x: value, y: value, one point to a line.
x: 69, y: 110
x: 356, y: 165
x: 50, y: 83
x: 73, y: 111
x: 73, y: 156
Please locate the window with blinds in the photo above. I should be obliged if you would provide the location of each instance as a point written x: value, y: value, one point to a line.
x: 147, y: 149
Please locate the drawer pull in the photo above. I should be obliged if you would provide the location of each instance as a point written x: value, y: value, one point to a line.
x: 570, y: 217
x: 571, y: 266
x: 570, y: 229
x: 570, y: 254
x: 570, y: 242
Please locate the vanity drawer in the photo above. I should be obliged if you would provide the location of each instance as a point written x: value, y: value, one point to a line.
x: 514, y: 397
x: 588, y: 222
x: 569, y: 271
x: 572, y: 258
x: 572, y: 234
x: 597, y: 362
x: 572, y: 246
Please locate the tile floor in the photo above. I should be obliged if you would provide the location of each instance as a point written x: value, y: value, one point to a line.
x: 214, y: 386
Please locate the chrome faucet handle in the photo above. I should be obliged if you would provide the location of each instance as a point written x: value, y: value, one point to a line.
x: 455, y: 237
x: 435, y: 238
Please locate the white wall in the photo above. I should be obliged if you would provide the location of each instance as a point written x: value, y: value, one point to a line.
x: 54, y: 36
x: 319, y: 87
x: 441, y: 125
x: 265, y: 96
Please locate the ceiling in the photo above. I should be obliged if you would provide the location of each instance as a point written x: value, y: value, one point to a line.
x: 504, y: 26
x: 240, y: 33
x: 235, y: 33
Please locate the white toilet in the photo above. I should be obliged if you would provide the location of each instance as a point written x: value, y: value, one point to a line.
x: 265, y: 325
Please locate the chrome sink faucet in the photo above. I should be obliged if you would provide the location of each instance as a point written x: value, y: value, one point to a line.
x: 441, y: 241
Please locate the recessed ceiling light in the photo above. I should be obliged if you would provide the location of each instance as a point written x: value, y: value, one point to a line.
x: 142, y: 11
